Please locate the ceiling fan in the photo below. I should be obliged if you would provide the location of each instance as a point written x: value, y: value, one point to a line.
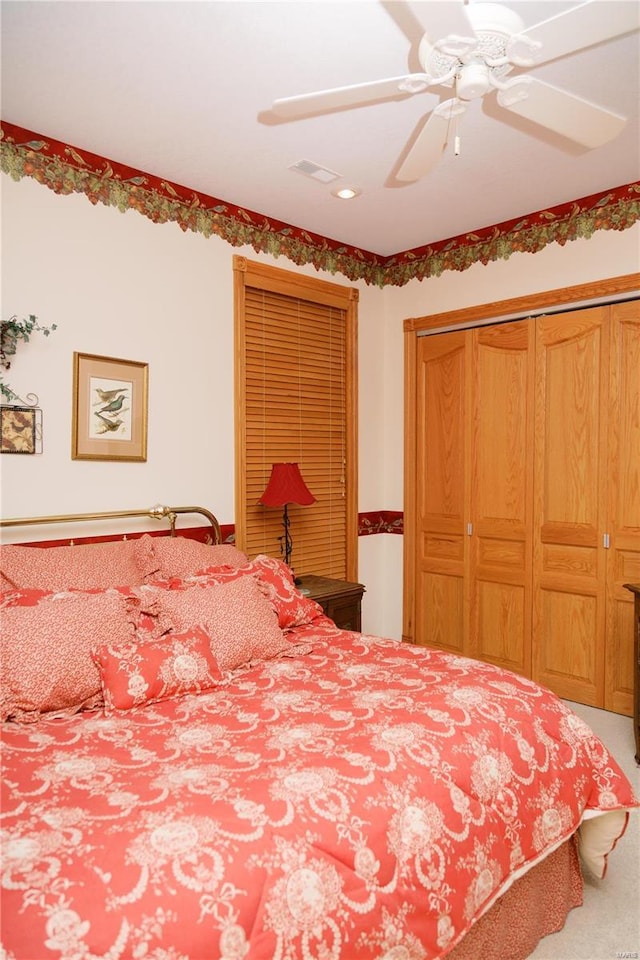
x: 472, y: 48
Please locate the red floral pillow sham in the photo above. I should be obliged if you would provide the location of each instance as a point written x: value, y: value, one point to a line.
x: 276, y: 579
x: 147, y: 671
x: 240, y: 621
x: 276, y: 582
x: 150, y: 620
x: 181, y: 557
x: 46, y: 664
x: 81, y: 567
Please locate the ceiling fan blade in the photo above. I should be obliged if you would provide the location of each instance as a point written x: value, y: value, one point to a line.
x: 322, y: 101
x: 430, y: 142
x: 439, y: 19
x: 564, y: 113
x: 582, y: 26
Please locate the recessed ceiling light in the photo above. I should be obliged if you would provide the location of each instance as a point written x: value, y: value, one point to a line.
x: 346, y: 193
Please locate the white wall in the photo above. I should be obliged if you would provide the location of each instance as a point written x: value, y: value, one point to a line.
x: 118, y: 285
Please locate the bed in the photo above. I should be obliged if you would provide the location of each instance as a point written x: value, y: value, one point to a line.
x: 197, y: 763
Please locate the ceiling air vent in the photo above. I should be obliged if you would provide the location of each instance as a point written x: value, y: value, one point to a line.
x: 315, y: 171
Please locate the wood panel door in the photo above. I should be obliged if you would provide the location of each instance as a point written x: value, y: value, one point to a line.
x: 442, y: 496
x: 623, y: 522
x: 480, y: 506
x: 474, y: 451
x: 570, y: 482
x: 502, y: 495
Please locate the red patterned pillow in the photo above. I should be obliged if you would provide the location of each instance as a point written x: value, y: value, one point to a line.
x: 46, y: 653
x: 144, y: 556
x: 81, y: 567
x: 276, y: 579
x: 277, y: 584
x: 181, y: 557
x: 141, y: 672
x: 240, y: 621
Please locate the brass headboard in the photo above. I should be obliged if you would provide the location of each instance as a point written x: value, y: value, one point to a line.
x: 158, y: 512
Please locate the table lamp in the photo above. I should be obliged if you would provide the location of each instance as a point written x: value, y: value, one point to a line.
x: 286, y: 486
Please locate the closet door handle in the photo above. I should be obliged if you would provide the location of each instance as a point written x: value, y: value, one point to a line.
x: 469, y: 529
x: 605, y: 541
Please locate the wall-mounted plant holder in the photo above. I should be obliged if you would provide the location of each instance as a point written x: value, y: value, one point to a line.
x: 20, y: 420
x: 21, y: 428
x: 13, y: 332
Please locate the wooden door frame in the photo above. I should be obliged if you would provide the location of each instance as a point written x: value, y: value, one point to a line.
x: 581, y: 295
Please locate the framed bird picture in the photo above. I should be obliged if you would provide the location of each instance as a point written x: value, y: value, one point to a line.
x: 109, y: 408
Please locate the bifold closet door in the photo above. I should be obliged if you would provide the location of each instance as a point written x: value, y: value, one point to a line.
x: 474, y: 499
x: 623, y: 522
x: 501, y: 505
x: 525, y: 497
x: 443, y: 382
x: 570, y: 507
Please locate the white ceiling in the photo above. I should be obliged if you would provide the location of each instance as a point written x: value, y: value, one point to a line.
x: 183, y: 90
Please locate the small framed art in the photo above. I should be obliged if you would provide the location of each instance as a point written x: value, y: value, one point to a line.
x: 109, y: 408
x: 19, y: 427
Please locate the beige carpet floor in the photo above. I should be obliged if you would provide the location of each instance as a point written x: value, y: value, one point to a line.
x: 607, y: 925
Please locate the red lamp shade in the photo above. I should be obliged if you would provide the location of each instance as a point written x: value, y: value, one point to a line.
x: 286, y: 486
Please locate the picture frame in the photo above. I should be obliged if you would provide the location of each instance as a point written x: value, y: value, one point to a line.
x: 110, y: 398
x: 20, y: 429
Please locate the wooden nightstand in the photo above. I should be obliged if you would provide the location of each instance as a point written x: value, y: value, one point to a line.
x: 340, y: 600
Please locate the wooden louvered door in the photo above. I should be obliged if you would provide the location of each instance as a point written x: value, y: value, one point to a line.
x: 296, y: 389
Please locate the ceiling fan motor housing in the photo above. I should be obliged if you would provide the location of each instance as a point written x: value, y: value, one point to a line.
x: 473, y: 81
x: 473, y: 62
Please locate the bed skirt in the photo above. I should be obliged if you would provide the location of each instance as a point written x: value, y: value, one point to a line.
x: 535, y: 906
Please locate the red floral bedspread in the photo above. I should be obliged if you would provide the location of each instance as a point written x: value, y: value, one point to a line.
x: 362, y: 799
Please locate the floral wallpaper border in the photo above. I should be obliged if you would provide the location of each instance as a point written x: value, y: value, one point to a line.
x: 376, y: 521
x: 67, y: 169
x: 380, y: 521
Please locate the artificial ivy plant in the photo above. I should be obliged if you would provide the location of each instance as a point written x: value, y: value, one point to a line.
x: 12, y: 331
